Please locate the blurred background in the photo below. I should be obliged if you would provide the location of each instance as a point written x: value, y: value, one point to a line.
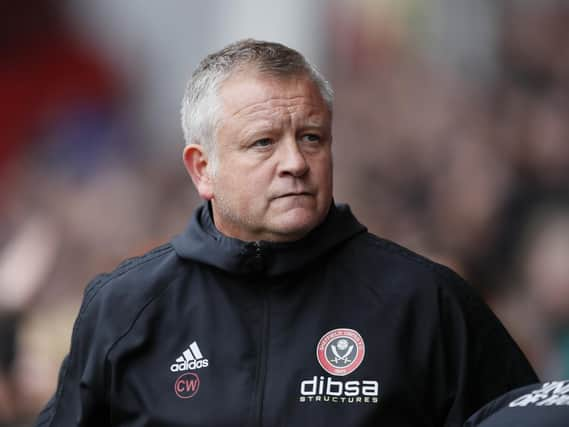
x: 451, y: 138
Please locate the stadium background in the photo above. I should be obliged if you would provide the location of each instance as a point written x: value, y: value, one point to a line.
x: 451, y: 137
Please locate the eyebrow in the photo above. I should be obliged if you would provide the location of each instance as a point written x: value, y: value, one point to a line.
x: 259, y: 129
x: 315, y: 120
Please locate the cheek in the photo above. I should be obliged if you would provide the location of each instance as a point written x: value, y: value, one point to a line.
x: 224, y: 186
x: 322, y: 170
x: 244, y: 190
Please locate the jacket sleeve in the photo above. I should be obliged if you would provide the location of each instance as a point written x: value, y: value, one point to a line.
x: 80, y: 398
x: 484, y: 361
x: 500, y: 404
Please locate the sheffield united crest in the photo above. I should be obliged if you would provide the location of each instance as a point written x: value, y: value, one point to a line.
x: 340, y: 351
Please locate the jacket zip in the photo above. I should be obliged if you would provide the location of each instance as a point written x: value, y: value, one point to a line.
x: 263, y: 354
x: 262, y: 371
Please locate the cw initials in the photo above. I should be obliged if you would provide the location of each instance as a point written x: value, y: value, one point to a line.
x: 187, y: 385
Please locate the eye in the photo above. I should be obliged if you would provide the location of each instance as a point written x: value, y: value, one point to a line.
x: 311, y: 137
x: 264, y: 142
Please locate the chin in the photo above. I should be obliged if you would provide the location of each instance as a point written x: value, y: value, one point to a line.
x: 297, y: 225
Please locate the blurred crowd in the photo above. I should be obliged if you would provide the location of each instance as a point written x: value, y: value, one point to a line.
x: 471, y: 173
x: 79, y: 191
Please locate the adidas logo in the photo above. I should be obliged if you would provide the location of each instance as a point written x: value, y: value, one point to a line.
x: 192, y: 358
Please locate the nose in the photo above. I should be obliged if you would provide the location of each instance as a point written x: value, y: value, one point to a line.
x: 292, y: 159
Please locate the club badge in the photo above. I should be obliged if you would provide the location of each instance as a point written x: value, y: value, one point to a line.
x: 340, y: 351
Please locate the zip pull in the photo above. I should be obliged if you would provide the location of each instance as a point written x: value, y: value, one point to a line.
x: 258, y: 249
x: 255, y: 258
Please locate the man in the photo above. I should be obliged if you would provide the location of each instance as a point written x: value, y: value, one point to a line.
x: 276, y: 307
x: 537, y: 405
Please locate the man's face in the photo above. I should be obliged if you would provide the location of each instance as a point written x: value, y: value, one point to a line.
x: 273, y: 174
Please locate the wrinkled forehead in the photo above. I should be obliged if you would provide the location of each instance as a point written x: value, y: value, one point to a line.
x: 247, y: 93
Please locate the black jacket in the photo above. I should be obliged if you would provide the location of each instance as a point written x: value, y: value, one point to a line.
x: 341, y: 328
x: 537, y: 405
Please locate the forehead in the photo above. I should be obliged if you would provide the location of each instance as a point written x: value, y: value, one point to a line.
x: 252, y: 94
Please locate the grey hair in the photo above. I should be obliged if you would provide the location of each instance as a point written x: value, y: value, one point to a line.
x: 200, y: 105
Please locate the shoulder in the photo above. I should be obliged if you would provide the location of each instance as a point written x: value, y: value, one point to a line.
x: 135, y: 276
x: 115, y: 299
x: 398, y: 275
x: 397, y: 267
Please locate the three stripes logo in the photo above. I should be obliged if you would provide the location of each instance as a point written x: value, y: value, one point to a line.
x: 192, y: 358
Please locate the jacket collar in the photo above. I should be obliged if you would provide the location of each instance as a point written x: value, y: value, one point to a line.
x: 202, y: 242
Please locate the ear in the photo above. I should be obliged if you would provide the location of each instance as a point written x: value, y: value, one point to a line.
x: 196, y: 162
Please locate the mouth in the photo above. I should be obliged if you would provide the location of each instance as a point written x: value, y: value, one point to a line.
x: 295, y: 194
